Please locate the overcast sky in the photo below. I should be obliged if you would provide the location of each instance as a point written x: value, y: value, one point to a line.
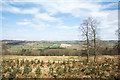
x: 56, y: 19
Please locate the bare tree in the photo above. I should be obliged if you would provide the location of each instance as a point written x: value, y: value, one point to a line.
x: 93, y: 25
x: 89, y: 31
x: 85, y: 28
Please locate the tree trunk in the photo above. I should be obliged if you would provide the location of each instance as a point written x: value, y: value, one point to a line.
x: 87, y: 45
x: 95, y: 52
x: 87, y: 54
x: 95, y: 58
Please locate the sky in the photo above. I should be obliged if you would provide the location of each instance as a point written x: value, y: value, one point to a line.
x: 56, y: 20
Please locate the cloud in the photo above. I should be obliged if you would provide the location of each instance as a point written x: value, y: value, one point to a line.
x: 67, y: 27
x: 109, y: 25
x: 30, y: 11
x: 54, y: 7
x: 40, y: 26
x: 37, y: 1
x: 111, y: 5
x: 36, y: 25
x: 22, y: 30
x: 38, y: 22
x: 26, y: 20
x: 76, y: 8
x: 110, y: 20
x: 35, y: 11
x: 45, y: 16
x: 7, y: 7
x: 23, y: 23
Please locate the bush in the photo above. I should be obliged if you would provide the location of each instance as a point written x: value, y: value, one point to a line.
x: 38, y: 71
x: 6, y: 70
x: 42, y: 63
x: 49, y: 63
x: 27, y: 69
x: 65, y: 69
x: 73, y: 62
x: 38, y: 62
x: 12, y: 74
x: 3, y: 77
x: 51, y: 70
x: 64, y: 62
x: 17, y: 61
x: 22, y: 62
x: 19, y: 71
x: 53, y: 62
x: 59, y: 70
x: 32, y: 62
x: 69, y: 69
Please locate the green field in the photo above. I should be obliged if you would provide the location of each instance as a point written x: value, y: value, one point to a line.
x: 42, y: 45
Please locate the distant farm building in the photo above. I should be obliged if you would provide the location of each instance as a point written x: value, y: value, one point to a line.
x: 65, y: 45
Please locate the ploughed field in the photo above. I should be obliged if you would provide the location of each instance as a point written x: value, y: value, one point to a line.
x: 59, y: 67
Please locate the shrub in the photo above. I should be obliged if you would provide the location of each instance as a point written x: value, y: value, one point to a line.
x: 9, y: 69
x: 27, y: 63
x: 49, y: 63
x: 17, y: 61
x: 12, y: 74
x: 6, y: 70
x: 59, y: 70
x: 19, y: 71
x: 8, y: 63
x: 38, y: 62
x: 38, y: 71
x: 93, y: 70
x: 3, y: 77
x: 58, y: 62
x: 68, y: 62
x: 65, y: 69
x: 42, y: 63
x: 22, y: 62
x: 69, y: 69
x: 51, y: 70
x: 53, y: 62
x: 27, y: 69
x: 32, y: 62
x: 64, y: 62
x: 78, y: 71
x: 73, y: 62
